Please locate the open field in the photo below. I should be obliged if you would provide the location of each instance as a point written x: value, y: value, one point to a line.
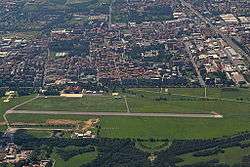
x: 157, y: 127
x: 228, y: 93
x: 75, y: 161
x: 12, y: 103
x: 39, y: 134
x: 87, y: 103
x: 139, y: 104
x: 231, y: 156
x: 151, y: 100
x: 172, y: 128
x: 236, y: 113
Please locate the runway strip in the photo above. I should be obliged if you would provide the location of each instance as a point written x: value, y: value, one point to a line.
x: 132, y: 114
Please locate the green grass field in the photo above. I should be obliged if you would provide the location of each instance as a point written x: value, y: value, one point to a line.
x: 231, y: 156
x: 87, y: 103
x: 151, y: 147
x: 147, y: 100
x: 75, y: 161
x: 236, y: 114
x: 228, y: 93
x: 139, y: 104
x: 189, y: 101
x: 39, y: 134
x: 12, y: 103
x: 41, y: 118
x: 172, y: 128
x: 146, y: 127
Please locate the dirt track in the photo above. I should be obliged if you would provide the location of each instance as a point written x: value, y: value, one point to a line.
x: 133, y: 114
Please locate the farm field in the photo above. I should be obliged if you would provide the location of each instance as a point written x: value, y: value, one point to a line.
x: 231, y: 156
x: 87, y: 103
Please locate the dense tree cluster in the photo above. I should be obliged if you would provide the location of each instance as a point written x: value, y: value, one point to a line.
x: 123, y: 152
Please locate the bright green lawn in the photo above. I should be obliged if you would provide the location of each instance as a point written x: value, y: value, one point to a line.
x: 87, y: 103
x: 145, y: 100
x: 231, y: 156
x: 75, y: 161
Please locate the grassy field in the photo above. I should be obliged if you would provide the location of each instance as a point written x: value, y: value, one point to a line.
x: 41, y: 118
x: 87, y: 103
x: 188, y: 100
x: 146, y: 128
x: 12, y: 103
x: 39, y: 134
x: 228, y: 93
x: 75, y: 161
x: 231, y: 156
x: 151, y: 100
x: 236, y: 114
x: 172, y: 128
x: 139, y: 104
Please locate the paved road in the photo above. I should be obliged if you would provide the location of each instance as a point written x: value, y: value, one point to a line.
x: 134, y: 114
x: 126, y: 102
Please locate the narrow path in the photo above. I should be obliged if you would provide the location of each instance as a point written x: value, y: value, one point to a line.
x: 126, y: 102
x: 13, y: 108
x: 19, y: 105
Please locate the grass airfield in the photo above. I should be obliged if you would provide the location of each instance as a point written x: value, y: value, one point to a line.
x: 233, y: 104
